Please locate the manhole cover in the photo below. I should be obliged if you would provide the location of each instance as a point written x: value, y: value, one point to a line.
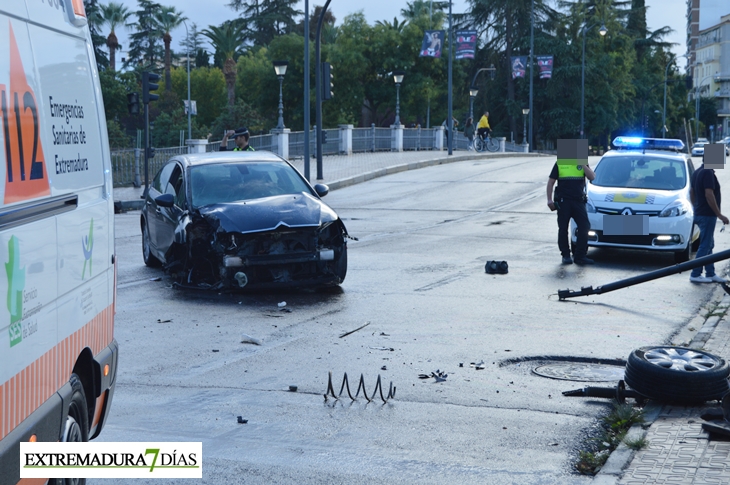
x: 581, y: 372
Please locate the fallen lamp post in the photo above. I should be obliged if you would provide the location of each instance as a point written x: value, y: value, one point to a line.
x: 653, y: 275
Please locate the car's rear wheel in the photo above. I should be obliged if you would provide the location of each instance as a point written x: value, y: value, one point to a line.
x: 149, y: 259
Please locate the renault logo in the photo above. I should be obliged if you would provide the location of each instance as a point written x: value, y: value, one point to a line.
x: 627, y: 212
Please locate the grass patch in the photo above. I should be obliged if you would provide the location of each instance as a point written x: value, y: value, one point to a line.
x: 637, y: 444
x: 614, y: 427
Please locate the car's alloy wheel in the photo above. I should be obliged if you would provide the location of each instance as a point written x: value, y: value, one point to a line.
x: 149, y: 259
x: 677, y: 374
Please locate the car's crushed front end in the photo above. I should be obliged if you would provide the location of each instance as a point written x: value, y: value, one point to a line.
x: 282, y: 241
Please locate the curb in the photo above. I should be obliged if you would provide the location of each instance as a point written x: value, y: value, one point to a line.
x: 621, y: 457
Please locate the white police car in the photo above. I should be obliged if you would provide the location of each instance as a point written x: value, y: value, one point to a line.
x: 640, y: 198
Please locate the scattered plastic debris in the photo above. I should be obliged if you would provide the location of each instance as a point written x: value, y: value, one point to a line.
x: 241, y: 420
x: 384, y: 368
x: 282, y: 304
x: 156, y: 278
x: 159, y: 320
x: 247, y: 339
x: 382, y: 348
x: 293, y: 388
x: 477, y: 365
x: 383, y: 334
x: 439, y: 375
x: 216, y: 350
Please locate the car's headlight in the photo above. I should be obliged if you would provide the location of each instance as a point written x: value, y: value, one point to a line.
x: 590, y: 207
x: 676, y: 208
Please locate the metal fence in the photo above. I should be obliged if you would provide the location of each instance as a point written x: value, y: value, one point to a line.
x: 128, y: 164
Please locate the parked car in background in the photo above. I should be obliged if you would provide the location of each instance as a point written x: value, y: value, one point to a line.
x: 234, y: 220
x: 698, y: 149
x: 640, y: 198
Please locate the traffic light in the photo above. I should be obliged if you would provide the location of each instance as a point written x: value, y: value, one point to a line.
x: 133, y: 103
x: 149, y: 84
x: 150, y: 152
x: 688, y: 82
x: 324, y: 137
x: 327, y: 84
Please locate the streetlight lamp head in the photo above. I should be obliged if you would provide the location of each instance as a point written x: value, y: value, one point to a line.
x: 280, y: 67
x: 398, y: 76
x: 525, y: 111
x: 603, y: 30
x: 473, y: 91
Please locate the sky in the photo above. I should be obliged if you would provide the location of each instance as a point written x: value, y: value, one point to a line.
x: 660, y: 13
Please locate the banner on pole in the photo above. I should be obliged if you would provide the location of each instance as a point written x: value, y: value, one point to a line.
x: 466, y: 44
x: 432, y: 42
x: 518, y: 66
x: 545, y: 63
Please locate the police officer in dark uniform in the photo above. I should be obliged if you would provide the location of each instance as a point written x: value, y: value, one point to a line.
x: 240, y: 136
x: 570, y: 202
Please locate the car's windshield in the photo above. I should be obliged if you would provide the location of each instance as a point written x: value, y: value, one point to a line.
x: 231, y: 182
x: 641, y: 172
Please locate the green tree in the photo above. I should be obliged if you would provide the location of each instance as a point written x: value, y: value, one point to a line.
x: 144, y: 47
x: 113, y: 14
x: 266, y: 19
x: 93, y: 14
x: 227, y: 40
x: 207, y: 88
x: 167, y: 19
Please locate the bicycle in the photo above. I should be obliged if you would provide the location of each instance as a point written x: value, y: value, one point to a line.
x: 486, y: 142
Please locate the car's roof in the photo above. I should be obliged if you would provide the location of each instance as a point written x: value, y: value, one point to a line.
x: 195, y: 159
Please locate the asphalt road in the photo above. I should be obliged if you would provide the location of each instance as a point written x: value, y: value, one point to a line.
x: 417, y: 276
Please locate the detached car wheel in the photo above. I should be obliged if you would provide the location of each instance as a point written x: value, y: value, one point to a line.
x: 147, y: 255
x: 677, y: 374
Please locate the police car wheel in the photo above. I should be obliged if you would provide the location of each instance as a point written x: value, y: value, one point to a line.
x: 677, y: 374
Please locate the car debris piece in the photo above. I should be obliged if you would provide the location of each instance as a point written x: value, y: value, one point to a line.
x: 293, y: 388
x: 281, y: 304
x: 619, y: 393
x: 345, y: 384
x: 719, y: 423
x: 353, y: 331
x: 159, y: 320
x: 156, y: 278
x: 439, y: 375
x: 241, y: 420
x: 382, y: 348
x: 247, y: 339
x: 477, y: 365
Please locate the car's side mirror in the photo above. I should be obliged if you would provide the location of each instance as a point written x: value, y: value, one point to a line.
x: 165, y: 200
x: 321, y: 190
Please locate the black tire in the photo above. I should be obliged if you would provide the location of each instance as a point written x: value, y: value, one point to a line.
x: 683, y: 256
x: 149, y: 259
x: 479, y: 144
x: 677, y: 374
x: 492, y: 144
x: 76, y: 429
x: 341, y: 265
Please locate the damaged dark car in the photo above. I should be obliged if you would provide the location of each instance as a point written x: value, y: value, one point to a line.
x: 236, y: 220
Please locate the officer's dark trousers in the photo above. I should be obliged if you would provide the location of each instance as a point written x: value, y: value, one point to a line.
x: 576, y: 210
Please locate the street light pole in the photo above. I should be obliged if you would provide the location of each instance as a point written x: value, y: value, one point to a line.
x: 280, y: 69
x: 525, y: 112
x: 583, y: 75
x: 532, y: 60
x: 398, y: 78
x: 450, y: 119
x: 664, y: 115
x: 190, y: 106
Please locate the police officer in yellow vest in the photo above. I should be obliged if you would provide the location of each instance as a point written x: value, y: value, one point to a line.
x: 240, y: 136
x: 570, y: 202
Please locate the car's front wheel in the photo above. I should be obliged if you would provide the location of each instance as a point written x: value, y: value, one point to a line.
x: 149, y: 259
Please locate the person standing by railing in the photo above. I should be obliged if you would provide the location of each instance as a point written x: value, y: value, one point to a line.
x: 241, y: 137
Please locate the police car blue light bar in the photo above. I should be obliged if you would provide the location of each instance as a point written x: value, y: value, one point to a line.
x: 648, y: 143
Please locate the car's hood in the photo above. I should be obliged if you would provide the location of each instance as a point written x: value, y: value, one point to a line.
x: 610, y: 196
x: 267, y: 214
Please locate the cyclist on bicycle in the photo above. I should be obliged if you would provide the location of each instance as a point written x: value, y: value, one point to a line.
x: 483, y: 127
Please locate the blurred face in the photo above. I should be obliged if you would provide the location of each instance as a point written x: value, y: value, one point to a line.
x: 241, y: 141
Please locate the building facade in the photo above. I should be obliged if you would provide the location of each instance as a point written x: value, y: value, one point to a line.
x: 711, y: 73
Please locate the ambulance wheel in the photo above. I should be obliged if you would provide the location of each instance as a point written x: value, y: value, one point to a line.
x: 147, y: 255
x: 76, y: 429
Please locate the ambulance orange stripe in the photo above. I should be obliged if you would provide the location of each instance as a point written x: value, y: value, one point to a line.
x: 32, y: 386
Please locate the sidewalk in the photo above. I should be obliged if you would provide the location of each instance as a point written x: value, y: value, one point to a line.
x: 342, y: 170
x: 678, y: 450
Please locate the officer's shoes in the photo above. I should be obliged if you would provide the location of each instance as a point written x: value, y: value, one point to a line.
x: 583, y: 260
x: 567, y: 260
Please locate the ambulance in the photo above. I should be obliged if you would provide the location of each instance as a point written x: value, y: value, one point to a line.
x: 58, y: 356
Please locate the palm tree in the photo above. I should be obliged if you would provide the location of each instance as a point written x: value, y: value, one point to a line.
x: 113, y: 14
x: 227, y: 40
x: 167, y: 19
